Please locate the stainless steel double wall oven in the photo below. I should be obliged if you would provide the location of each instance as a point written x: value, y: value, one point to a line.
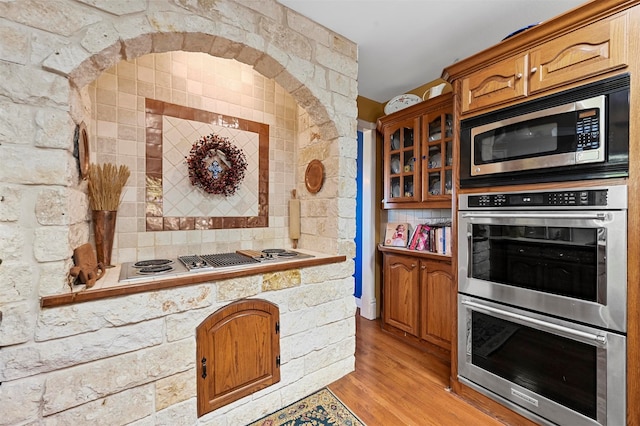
x: 542, y: 295
x: 542, y: 302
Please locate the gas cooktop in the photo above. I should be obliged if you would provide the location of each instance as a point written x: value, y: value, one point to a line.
x: 183, y: 265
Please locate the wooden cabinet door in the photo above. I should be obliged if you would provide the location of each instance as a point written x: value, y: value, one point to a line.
x: 501, y: 82
x: 592, y: 50
x: 437, y: 155
x: 237, y: 353
x: 401, y: 161
x: 436, y: 286
x: 401, y: 293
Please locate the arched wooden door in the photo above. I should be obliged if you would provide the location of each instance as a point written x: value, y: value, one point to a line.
x: 237, y: 352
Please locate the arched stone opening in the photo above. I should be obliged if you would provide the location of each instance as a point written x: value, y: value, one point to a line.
x: 91, y: 67
x: 322, y: 135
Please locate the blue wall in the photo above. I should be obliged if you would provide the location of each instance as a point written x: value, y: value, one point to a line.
x: 358, y: 259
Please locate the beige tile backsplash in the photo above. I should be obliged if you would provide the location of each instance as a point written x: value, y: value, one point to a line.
x: 199, y: 81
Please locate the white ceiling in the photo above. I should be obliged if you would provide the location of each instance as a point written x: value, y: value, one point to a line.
x: 403, y: 44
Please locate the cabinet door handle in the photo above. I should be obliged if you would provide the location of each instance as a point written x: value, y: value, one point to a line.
x: 518, y: 76
x: 533, y: 70
x: 204, y: 367
x: 413, y: 265
x: 423, y: 267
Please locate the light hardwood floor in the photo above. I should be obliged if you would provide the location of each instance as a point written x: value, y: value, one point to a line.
x: 397, y: 384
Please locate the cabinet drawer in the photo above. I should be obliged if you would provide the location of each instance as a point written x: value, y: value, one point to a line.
x: 501, y: 82
x: 595, y: 49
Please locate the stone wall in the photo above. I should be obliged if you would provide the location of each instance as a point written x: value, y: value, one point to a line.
x: 130, y: 359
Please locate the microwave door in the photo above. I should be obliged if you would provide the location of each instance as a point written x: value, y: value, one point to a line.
x: 542, y: 139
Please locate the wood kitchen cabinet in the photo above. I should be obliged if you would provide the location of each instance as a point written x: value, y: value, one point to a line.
x: 417, y: 296
x: 595, y: 49
x: 418, y: 155
x: 592, y: 42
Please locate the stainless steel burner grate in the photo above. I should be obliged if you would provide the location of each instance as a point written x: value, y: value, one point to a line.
x: 193, y: 261
x: 204, y: 261
x: 227, y: 259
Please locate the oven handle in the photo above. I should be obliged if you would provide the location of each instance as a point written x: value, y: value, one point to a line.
x: 599, y: 340
x: 594, y: 216
x: 469, y: 252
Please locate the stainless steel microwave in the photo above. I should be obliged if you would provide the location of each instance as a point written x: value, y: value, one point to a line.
x: 578, y: 134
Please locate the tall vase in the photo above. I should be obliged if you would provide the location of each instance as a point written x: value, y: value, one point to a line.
x: 104, y: 227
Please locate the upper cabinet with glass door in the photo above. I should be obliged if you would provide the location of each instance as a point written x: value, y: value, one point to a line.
x: 437, y: 149
x: 417, y: 162
x: 402, y: 183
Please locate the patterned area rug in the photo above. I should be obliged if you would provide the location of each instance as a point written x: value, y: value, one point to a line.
x: 318, y: 409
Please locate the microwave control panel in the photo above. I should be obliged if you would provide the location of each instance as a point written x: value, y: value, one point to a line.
x: 578, y: 198
x: 588, y: 129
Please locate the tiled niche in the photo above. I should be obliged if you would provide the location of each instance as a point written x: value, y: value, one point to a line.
x: 223, y: 88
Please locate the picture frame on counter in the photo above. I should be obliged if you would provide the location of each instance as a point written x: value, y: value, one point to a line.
x: 397, y: 234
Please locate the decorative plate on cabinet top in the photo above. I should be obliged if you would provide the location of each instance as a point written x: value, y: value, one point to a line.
x: 520, y: 30
x: 401, y: 102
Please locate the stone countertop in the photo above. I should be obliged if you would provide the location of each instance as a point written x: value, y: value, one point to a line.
x: 109, y: 286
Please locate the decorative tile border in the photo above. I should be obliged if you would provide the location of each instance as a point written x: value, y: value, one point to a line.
x: 155, y: 220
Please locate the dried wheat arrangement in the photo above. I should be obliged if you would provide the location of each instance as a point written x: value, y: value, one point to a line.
x: 105, y: 185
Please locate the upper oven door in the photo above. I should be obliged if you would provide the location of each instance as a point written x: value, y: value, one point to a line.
x: 570, y: 264
x: 564, y: 135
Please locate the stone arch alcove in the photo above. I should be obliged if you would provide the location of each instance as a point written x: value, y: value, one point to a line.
x: 320, y: 89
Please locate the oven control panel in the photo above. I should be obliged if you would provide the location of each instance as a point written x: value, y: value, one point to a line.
x: 574, y: 198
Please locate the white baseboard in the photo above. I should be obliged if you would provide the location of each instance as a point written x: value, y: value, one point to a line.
x: 367, y: 311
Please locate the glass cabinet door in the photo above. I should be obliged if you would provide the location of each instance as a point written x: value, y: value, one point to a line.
x: 448, y: 149
x: 401, y: 151
x: 438, y: 157
x: 417, y: 164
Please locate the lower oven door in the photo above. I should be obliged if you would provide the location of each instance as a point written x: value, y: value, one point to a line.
x: 550, y: 370
x: 571, y: 264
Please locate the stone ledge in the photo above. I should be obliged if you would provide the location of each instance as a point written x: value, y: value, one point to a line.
x: 109, y: 287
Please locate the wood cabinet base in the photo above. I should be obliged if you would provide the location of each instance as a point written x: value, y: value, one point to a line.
x: 417, y: 297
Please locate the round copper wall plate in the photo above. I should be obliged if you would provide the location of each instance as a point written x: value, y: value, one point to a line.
x: 314, y: 176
